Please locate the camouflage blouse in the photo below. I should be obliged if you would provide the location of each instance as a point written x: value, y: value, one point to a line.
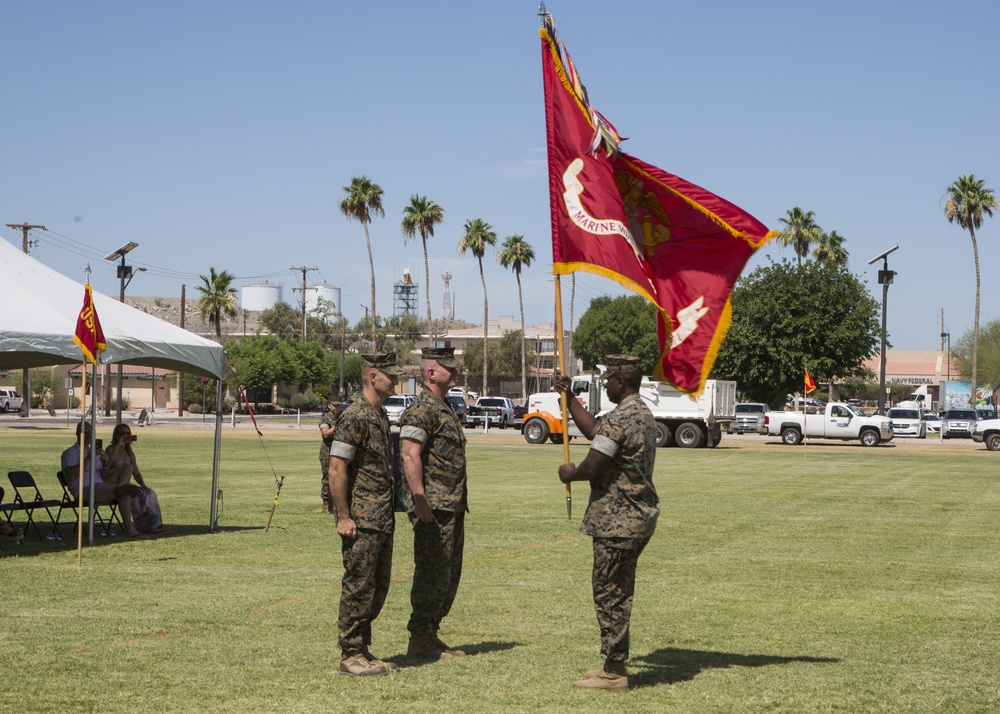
x: 362, y: 438
x: 432, y: 422
x: 623, y: 502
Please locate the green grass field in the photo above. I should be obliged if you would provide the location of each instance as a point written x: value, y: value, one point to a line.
x: 837, y: 578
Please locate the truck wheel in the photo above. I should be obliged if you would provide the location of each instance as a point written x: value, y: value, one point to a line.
x: 535, y: 431
x: 993, y: 442
x: 557, y: 438
x: 870, y: 437
x: 689, y: 435
x: 791, y: 436
x: 662, y: 435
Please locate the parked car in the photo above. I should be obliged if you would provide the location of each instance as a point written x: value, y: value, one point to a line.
x: 932, y: 422
x: 907, y: 422
x: 986, y: 412
x: 457, y: 403
x: 958, y: 423
x: 396, y: 404
x: 987, y: 432
x: 498, y: 411
x: 10, y: 401
x: 749, y: 418
x: 456, y: 392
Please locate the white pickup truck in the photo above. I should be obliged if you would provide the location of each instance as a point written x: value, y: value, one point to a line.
x: 498, y: 411
x: 838, y: 421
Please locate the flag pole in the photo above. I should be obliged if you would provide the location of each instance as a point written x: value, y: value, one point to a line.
x: 565, y: 397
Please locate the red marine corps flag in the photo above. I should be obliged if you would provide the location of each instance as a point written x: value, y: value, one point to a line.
x: 676, y: 244
x: 89, y: 336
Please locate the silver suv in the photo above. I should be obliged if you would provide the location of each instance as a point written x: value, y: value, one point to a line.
x: 396, y: 405
x: 749, y: 418
x: 10, y: 401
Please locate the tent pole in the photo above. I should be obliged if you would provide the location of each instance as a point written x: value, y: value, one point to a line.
x: 213, y: 516
x: 93, y: 450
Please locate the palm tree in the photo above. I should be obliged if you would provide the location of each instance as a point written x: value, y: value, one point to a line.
x: 968, y: 200
x: 363, y: 199
x: 420, y: 217
x: 479, y: 234
x: 830, y: 250
x: 515, y: 253
x: 218, y: 297
x: 800, y: 232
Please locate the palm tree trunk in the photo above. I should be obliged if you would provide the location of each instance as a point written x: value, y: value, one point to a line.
x: 427, y: 288
x: 975, y: 321
x: 486, y: 324
x: 371, y: 267
x: 524, y: 376
x: 217, y: 317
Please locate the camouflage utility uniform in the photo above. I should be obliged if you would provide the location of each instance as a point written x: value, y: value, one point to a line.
x: 362, y: 438
x: 328, y: 421
x: 438, y: 545
x: 621, y: 517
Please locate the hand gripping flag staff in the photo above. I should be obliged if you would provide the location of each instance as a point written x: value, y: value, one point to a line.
x: 676, y: 244
x: 89, y: 337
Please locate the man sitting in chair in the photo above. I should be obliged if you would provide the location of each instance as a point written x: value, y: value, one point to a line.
x: 109, y: 486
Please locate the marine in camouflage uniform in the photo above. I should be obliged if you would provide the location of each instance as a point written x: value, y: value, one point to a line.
x: 362, y: 493
x: 622, y: 512
x: 435, y: 495
x: 326, y: 424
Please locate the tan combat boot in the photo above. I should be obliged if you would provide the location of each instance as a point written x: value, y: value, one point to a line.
x: 445, y: 648
x: 613, y: 677
x: 425, y: 647
x: 357, y: 665
x: 389, y: 666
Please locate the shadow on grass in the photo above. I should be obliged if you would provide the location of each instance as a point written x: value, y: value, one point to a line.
x: 32, y: 546
x: 470, y: 651
x: 671, y: 665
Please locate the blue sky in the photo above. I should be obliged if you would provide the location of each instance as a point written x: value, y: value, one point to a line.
x: 222, y: 134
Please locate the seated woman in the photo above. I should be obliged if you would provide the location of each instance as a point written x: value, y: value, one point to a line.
x: 106, y: 488
x: 6, y: 529
x: 123, y: 468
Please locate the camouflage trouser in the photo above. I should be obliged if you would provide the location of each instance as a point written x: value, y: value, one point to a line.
x: 437, y: 559
x: 615, y: 561
x: 324, y: 464
x: 367, y: 572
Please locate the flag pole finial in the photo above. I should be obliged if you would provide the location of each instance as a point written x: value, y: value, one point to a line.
x: 541, y: 9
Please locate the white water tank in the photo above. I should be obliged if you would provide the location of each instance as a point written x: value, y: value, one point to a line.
x: 260, y: 296
x: 330, y: 296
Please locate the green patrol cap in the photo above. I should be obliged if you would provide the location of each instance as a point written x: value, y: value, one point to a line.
x: 384, y: 362
x: 444, y: 356
x: 622, y: 364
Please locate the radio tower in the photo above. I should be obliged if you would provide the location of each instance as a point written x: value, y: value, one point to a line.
x: 447, y: 311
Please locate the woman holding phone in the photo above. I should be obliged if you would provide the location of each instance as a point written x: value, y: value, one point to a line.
x: 122, y: 464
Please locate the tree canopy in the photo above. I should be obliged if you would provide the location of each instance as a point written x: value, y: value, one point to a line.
x: 989, y: 355
x: 620, y: 325
x: 218, y: 298
x: 788, y: 319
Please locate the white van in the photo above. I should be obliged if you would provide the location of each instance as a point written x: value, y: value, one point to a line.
x: 10, y: 401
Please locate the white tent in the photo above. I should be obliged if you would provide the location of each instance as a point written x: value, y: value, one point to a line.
x: 39, y: 319
x: 40, y: 309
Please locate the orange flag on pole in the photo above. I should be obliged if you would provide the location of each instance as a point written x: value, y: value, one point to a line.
x: 89, y: 336
x: 809, y: 383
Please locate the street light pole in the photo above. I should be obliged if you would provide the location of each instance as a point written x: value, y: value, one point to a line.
x: 947, y: 336
x: 125, y: 277
x: 885, y: 277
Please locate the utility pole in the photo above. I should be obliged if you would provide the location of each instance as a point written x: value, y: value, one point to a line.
x: 304, y: 270
x: 26, y: 372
